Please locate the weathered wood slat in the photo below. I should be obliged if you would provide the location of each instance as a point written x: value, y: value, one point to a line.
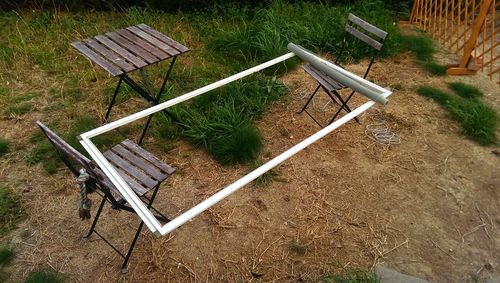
x: 98, y: 59
x: 148, y: 156
x: 323, y: 79
x: 137, y: 50
x: 139, y: 63
x: 363, y: 37
x: 367, y: 26
x: 139, y: 189
x: 123, y: 165
x: 144, y: 44
x: 153, y: 40
x: 110, y: 55
x: 163, y: 38
x: 140, y: 163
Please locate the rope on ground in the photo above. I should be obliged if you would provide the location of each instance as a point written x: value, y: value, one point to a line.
x: 378, y: 129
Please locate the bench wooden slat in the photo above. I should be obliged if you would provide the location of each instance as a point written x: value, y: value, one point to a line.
x: 163, y: 38
x: 367, y: 26
x: 110, y: 55
x: 139, y: 63
x: 363, y: 37
x: 123, y: 165
x: 148, y: 156
x: 139, y: 162
x: 153, y: 40
x: 98, y: 59
x: 144, y: 44
x: 137, y: 50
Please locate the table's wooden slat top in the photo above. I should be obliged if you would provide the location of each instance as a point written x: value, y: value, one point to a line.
x: 129, y: 49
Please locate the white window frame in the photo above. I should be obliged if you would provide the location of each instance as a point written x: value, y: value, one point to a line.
x: 145, y: 214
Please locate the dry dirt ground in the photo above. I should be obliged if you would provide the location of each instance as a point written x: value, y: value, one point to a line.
x: 428, y: 207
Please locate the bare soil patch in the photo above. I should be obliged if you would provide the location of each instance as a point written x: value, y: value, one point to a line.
x: 427, y: 207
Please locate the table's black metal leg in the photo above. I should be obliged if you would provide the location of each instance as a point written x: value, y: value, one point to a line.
x: 113, y: 99
x: 310, y: 99
x: 98, y: 213
x: 136, y: 236
x: 157, y: 100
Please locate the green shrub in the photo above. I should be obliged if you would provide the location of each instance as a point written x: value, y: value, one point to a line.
x: 4, y: 146
x: 10, y: 210
x: 44, y: 276
x: 465, y: 90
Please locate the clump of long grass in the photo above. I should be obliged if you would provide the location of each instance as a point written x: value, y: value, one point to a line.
x: 477, y: 120
x: 10, y: 210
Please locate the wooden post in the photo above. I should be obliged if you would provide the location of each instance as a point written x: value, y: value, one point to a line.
x: 461, y: 68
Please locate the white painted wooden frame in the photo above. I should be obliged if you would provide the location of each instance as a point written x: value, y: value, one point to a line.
x: 151, y: 222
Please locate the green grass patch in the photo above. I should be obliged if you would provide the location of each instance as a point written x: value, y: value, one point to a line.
x: 18, y: 109
x: 355, y: 276
x: 44, y: 276
x: 434, y: 68
x: 4, y: 146
x: 423, y: 48
x: 477, y: 120
x: 10, y: 210
x: 7, y: 255
x: 465, y: 90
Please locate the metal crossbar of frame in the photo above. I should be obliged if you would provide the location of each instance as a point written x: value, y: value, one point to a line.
x: 371, y: 90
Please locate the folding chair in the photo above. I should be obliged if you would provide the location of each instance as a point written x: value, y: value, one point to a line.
x: 142, y: 171
x: 361, y: 30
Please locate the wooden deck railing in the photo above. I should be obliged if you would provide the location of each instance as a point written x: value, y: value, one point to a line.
x: 468, y: 28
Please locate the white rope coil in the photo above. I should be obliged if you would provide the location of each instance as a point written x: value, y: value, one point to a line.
x: 379, y: 131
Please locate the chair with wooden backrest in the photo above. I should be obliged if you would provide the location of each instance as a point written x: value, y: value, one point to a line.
x: 360, y: 29
x: 142, y: 171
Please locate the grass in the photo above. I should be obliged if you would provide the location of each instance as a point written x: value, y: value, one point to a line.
x: 10, y: 210
x: 477, y: 120
x: 423, y: 48
x: 224, y: 40
x: 7, y: 255
x: 4, y: 146
x: 465, y: 90
x: 355, y: 276
x: 44, y: 276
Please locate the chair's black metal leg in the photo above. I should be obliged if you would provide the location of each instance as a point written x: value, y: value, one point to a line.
x: 113, y: 99
x: 98, y: 213
x: 136, y: 237
x: 347, y: 109
x: 132, y: 245
x: 158, y: 97
x: 310, y: 99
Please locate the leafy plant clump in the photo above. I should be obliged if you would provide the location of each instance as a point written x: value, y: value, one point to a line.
x: 4, y: 146
x: 7, y: 255
x: 477, y: 120
x: 44, y: 276
x: 10, y: 210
